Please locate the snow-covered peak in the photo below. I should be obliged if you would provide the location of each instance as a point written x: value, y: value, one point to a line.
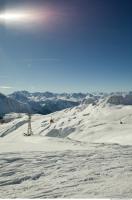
x: 48, y: 102
x: 125, y: 99
x: 8, y: 105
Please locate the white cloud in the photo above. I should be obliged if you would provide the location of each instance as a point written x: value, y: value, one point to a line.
x: 5, y: 87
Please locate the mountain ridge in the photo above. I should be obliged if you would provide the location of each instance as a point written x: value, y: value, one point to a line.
x: 48, y: 102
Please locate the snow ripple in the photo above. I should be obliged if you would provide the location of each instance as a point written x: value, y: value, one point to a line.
x: 102, y: 171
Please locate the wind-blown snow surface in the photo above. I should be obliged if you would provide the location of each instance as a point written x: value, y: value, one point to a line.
x: 86, y: 152
x: 102, y: 171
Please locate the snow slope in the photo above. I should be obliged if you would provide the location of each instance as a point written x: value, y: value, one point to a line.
x: 104, y: 171
x: 85, y: 153
x: 84, y: 123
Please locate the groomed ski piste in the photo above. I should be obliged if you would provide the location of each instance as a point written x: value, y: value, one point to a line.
x: 85, y: 153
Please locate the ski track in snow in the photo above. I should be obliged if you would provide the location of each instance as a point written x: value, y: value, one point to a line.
x: 102, y: 171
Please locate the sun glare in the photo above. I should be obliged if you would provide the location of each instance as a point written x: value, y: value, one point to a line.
x: 24, y: 17
x: 13, y: 17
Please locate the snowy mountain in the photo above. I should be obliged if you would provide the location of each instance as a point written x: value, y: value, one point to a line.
x: 42, y: 103
x: 84, y: 123
x: 8, y: 105
x: 42, y: 96
x: 86, y: 152
x: 120, y: 99
x: 47, y: 102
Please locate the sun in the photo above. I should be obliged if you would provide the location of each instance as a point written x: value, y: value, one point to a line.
x: 11, y: 16
x: 14, y: 17
x: 25, y: 17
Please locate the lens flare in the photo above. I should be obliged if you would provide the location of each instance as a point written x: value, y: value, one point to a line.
x: 12, y: 17
x: 24, y: 18
x: 31, y: 17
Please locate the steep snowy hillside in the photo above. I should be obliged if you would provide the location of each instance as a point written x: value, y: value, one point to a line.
x: 84, y: 123
x: 85, y: 153
x: 8, y: 105
x: 79, y: 155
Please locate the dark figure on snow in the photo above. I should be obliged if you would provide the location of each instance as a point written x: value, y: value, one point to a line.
x: 51, y: 121
x: 1, y: 120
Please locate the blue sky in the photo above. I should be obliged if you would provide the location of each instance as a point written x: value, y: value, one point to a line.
x: 86, y: 45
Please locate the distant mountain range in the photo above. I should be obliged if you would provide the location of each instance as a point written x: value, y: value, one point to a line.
x: 8, y: 105
x: 47, y: 102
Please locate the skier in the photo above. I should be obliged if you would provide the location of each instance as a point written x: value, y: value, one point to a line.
x: 51, y: 121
